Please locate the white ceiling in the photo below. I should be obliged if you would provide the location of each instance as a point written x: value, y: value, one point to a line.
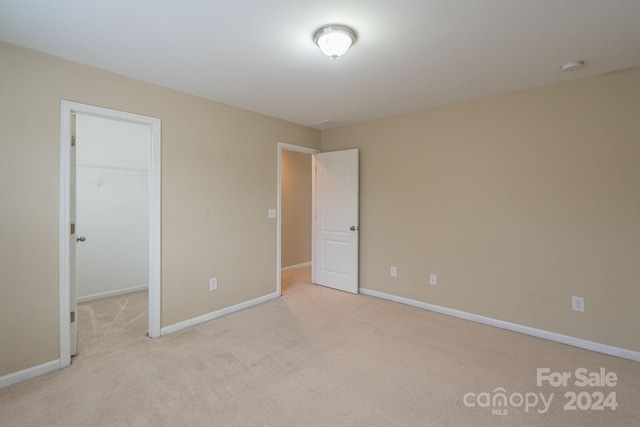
x: 259, y: 54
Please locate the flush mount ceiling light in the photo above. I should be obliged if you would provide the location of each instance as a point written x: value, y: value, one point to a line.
x: 335, y: 40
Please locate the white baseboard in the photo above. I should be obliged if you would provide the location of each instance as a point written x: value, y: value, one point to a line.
x: 29, y: 373
x: 215, y: 314
x: 297, y: 266
x: 113, y: 293
x: 539, y: 333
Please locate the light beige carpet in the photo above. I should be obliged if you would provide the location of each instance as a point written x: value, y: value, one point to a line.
x: 315, y: 357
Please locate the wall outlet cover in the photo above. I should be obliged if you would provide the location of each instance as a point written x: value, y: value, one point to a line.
x: 577, y: 303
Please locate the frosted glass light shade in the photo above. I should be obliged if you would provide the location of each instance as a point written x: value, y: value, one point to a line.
x: 334, y: 40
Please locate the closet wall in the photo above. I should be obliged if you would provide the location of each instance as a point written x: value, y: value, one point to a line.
x: 112, y: 207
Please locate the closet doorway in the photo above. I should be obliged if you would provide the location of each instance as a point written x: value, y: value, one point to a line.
x: 112, y: 223
x: 109, y: 215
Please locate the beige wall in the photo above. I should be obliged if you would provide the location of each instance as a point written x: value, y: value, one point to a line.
x: 219, y: 172
x: 296, y: 208
x: 516, y: 202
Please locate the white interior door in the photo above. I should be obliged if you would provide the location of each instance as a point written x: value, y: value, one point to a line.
x: 73, y: 290
x: 336, y: 227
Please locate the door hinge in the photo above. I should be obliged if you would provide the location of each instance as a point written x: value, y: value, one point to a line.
x: 73, y: 316
x: 73, y: 228
x: 73, y: 140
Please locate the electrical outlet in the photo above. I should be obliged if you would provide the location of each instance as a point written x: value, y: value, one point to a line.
x: 577, y: 303
x: 433, y: 279
x: 394, y: 272
x: 213, y: 284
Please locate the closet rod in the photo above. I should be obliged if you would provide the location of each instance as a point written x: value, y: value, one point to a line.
x: 121, y: 168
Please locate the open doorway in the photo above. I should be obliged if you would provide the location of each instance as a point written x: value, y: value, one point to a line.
x: 69, y: 238
x: 295, y: 224
x: 112, y: 223
x: 334, y: 228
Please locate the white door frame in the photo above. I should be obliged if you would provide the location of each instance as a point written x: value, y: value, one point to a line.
x: 67, y: 108
x: 290, y: 147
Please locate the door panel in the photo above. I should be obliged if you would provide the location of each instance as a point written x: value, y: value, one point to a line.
x: 336, y: 220
x: 336, y: 256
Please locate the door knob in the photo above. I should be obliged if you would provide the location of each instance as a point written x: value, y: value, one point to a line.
x: 81, y: 239
x: 354, y: 228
